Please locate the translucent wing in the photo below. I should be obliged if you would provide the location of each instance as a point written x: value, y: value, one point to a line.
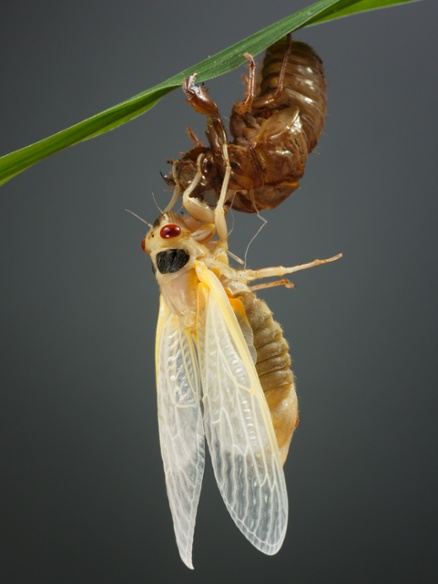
x: 180, y: 425
x: 238, y: 424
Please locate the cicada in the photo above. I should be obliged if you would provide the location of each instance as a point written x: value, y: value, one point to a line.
x: 274, y: 129
x: 223, y: 374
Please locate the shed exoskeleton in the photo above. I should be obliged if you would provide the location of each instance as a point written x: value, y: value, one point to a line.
x: 274, y: 129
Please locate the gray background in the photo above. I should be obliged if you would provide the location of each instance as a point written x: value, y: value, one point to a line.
x: 82, y: 490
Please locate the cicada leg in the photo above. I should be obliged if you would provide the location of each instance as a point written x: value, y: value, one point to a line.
x: 283, y: 282
x: 200, y: 210
x: 251, y: 275
x: 191, y: 134
x: 242, y: 107
x: 283, y: 68
x: 202, y: 103
x: 198, y: 97
x: 219, y: 211
x: 175, y: 194
x: 196, y: 207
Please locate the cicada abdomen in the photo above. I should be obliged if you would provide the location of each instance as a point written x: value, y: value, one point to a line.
x: 273, y: 365
x: 303, y: 85
x: 274, y: 128
x: 280, y: 126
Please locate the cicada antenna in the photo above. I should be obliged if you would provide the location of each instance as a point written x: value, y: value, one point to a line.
x: 140, y: 218
x: 156, y: 204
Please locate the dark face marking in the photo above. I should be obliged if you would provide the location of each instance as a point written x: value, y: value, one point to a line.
x: 157, y: 220
x: 171, y: 260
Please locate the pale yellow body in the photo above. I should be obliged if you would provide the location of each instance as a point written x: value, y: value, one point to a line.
x: 269, y: 348
x: 223, y: 377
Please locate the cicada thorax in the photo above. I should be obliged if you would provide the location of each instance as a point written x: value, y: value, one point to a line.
x: 273, y: 131
x: 273, y: 365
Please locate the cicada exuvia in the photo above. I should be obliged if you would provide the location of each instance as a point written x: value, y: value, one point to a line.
x: 274, y: 129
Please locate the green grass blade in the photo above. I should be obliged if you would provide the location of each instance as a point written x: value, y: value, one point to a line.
x: 360, y: 6
x: 322, y: 11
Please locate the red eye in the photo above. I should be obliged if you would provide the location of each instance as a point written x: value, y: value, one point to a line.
x: 143, y: 245
x: 169, y: 231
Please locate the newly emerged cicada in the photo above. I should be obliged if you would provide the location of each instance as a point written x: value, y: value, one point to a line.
x: 223, y: 373
x: 274, y: 128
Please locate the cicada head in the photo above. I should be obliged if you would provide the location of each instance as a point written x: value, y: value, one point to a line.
x: 174, y: 242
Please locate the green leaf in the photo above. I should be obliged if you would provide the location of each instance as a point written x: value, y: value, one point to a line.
x: 360, y: 6
x: 15, y: 162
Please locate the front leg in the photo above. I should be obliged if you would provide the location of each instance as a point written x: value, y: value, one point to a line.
x: 201, y: 102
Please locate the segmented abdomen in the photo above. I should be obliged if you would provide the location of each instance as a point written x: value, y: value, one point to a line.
x: 273, y: 368
x: 304, y: 85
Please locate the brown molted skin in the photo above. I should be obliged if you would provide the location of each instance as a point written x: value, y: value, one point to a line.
x: 274, y: 369
x: 273, y: 133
